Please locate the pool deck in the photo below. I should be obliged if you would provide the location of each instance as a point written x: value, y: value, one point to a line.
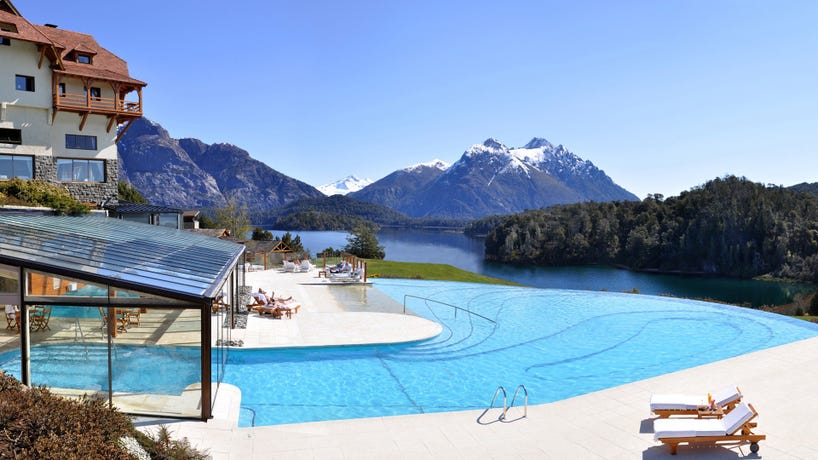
x: 610, y: 424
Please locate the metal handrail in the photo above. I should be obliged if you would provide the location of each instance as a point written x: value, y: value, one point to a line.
x: 516, y: 392
x: 448, y: 305
x: 505, y: 399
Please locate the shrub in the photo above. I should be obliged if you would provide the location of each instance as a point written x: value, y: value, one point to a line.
x: 162, y: 446
x: 39, y: 193
x: 36, y: 424
x: 39, y: 425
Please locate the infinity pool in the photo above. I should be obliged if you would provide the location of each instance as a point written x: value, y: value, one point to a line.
x: 557, y: 343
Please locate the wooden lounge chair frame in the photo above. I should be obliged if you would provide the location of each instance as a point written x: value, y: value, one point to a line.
x: 665, y: 413
x: 744, y: 433
x: 40, y: 317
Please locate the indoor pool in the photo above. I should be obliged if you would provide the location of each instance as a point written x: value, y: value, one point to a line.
x: 557, y: 343
x: 160, y: 370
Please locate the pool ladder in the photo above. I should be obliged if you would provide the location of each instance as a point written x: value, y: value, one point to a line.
x: 506, y: 407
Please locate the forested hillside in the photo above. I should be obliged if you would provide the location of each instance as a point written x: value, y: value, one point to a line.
x: 729, y: 226
x: 335, y: 212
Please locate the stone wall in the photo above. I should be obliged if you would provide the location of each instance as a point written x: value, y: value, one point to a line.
x: 45, y: 169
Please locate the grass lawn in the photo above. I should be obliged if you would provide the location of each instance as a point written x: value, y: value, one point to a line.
x: 424, y: 271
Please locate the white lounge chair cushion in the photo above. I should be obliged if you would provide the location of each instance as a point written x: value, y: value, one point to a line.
x: 727, y: 395
x: 736, y: 418
x: 690, y: 427
x: 687, y: 427
x: 691, y: 402
x: 676, y: 402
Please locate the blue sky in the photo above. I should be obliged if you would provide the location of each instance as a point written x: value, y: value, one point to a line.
x: 662, y: 95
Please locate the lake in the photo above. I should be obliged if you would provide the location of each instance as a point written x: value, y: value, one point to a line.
x: 466, y: 252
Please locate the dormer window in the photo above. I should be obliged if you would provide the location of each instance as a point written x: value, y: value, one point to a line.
x: 8, y: 27
x: 84, y: 58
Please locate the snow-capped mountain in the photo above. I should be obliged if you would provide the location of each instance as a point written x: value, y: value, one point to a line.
x: 344, y: 186
x: 435, y: 164
x: 490, y: 178
x: 397, y: 190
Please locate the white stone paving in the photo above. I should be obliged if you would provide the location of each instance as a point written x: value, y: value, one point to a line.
x: 609, y: 424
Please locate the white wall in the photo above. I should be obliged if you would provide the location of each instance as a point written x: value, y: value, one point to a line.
x: 28, y: 111
x: 32, y: 111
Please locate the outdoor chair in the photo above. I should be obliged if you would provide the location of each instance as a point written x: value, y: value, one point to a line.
x: 12, y: 317
x: 40, y: 317
x: 735, y: 427
x: 134, y: 316
x: 665, y: 405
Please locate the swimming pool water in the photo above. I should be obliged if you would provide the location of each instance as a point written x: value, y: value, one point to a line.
x: 557, y: 343
x: 158, y: 370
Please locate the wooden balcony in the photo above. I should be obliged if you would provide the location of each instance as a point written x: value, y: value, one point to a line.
x: 81, y: 103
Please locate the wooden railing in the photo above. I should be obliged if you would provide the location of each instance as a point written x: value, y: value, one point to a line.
x: 107, y: 105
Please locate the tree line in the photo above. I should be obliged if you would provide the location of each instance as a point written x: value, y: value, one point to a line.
x: 729, y: 226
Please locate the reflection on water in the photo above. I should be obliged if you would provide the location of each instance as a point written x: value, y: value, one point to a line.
x: 464, y: 252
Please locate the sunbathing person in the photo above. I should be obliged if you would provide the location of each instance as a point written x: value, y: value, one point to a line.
x: 342, y: 267
x: 272, y: 310
x: 260, y: 297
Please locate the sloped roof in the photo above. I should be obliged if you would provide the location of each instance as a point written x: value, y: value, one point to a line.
x: 267, y: 246
x: 138, y: 208
x: 6, y: 5
x: 147, y: 258
x: 104, y: 66
x: 25, y: 30
x: 212, y: 232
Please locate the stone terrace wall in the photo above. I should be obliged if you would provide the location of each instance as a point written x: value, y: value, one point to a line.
x: 45, y: 168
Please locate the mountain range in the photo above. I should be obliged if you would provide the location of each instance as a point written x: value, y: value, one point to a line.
x: 187, y: 173
x: 489, y: 178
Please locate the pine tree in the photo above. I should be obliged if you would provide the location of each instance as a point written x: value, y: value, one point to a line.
x: 363, y: 243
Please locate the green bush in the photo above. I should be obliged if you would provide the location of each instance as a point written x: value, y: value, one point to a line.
x: 39, y: 193
x: 39, y: 425
x: 36, y: 424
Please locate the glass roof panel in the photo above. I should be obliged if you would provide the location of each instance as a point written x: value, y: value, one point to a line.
x: 137, y: 255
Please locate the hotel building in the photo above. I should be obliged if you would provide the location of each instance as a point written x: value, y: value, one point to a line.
x: 65, y: 101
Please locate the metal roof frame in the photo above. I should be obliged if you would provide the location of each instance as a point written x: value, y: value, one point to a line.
x: 152, y: 259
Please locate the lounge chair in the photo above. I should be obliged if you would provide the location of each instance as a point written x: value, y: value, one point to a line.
x: 40, y: 317
x: 735, y: 427
x: 289, y: 266
x: 12, y: 317
x: 272, y: 310
x: 665, y: 405
x: 306, y: 266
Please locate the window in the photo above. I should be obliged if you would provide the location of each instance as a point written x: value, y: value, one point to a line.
x: 83, y: 59
x: 62, y: 89
x: 11, y: 136
x: 24, y: 83
x: 5, y: 41
x: 69, y: 170
x: 16, y: 166
x: 8, y: 27
x: 80, y: 142
x: 96, y: 93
